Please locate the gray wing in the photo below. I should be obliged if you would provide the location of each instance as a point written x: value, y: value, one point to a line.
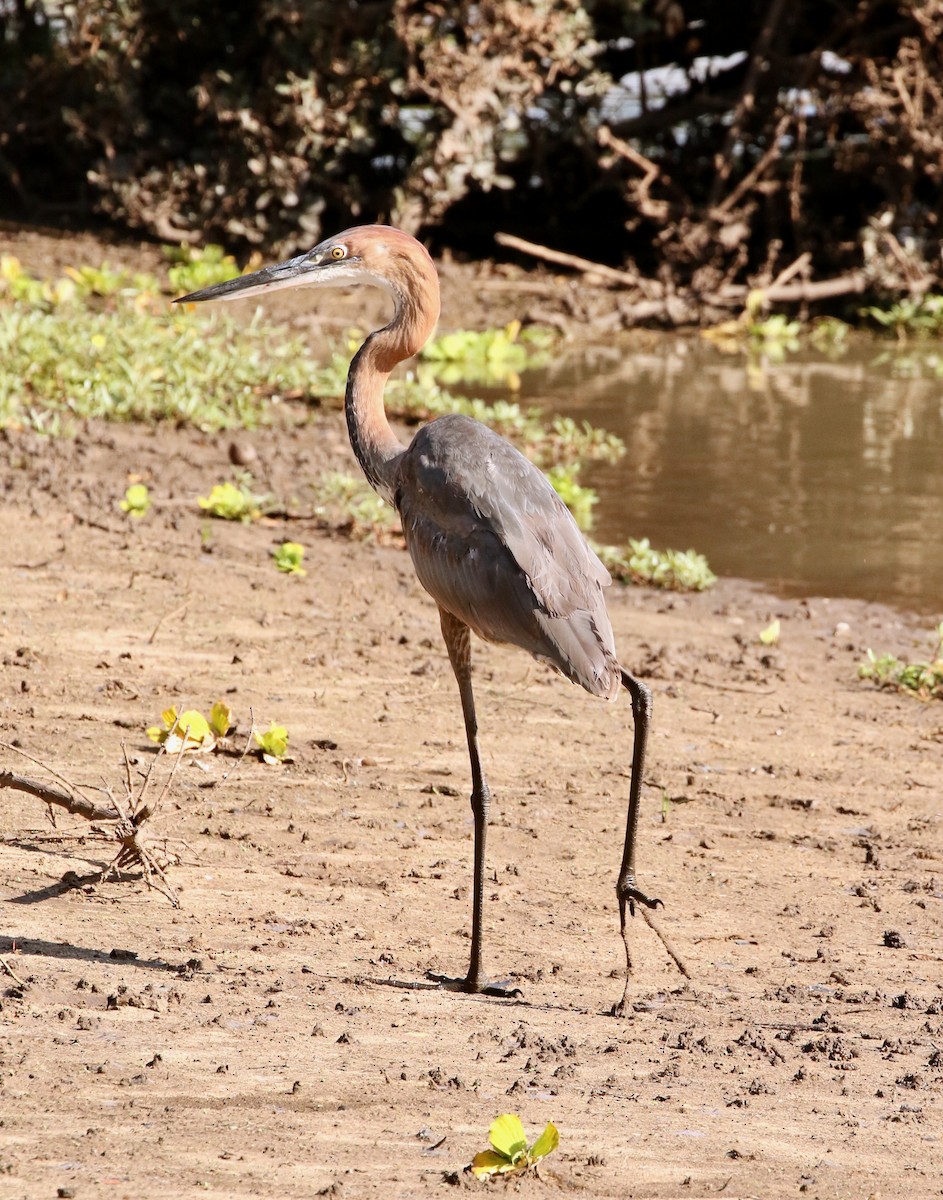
x: 495, y: 545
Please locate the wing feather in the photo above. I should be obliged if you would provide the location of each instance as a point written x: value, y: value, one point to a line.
x: 495, y: 545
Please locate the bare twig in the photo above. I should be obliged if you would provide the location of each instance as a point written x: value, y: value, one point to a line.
x: 168, y: 616
x: 724, y: 161
x: 773, y: 152
x: 4, y: 965
x: 794, y: 268
x: 77, y: 805
x: 567, y: 260
x: 127, y: 827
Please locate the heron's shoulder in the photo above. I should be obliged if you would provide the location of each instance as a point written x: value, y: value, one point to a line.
x: 457, y: 453
x: 456, y: 435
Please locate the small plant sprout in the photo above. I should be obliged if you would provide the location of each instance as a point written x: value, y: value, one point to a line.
x: 232, y: 502
x: 272, y: 744
x: 191, y: 730
x: 921, y: 679
x: 770, y: 635
x: 509, y: 1151
x: 289, y: 557
x: 137, y: 500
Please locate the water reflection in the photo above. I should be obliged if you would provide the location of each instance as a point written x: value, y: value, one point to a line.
x: 812, y: 476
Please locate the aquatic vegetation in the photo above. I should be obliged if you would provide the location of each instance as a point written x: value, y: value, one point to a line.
x: 676, y: 570
x: 910, y: 316
x: 489, y: 357
x: 921, y: 679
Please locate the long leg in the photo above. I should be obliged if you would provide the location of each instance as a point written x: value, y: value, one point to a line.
x: 626, y: 888
x: 458, y: 642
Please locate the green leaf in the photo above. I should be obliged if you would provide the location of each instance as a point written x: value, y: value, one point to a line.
x: 770, y: 635
x: 136, y: 500
x: 273, y: 743
x: 231, y: 503
x: 289, y: 557
x: 487, y: 1162
x: 189, y: 731
x: 220, y: 718
x: 546, y: 1143
x: 507, y: 1136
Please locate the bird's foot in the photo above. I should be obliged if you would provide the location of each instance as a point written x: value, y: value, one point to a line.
x: 503, y: 989
x: 620, y: 1008
x: 632, y: 895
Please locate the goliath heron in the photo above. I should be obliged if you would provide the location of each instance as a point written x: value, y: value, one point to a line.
x: 490, y: 539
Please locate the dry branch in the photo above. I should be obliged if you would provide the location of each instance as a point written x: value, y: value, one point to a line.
x: 567, y: 260
x: 745, y: 106
x: 127, y: 826
x: 72, y: 803
x: 687, y: 306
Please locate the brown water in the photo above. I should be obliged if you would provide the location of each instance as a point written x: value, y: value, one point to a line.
x: 813, y: 476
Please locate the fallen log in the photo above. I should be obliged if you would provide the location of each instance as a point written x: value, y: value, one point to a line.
x: 685, y: 306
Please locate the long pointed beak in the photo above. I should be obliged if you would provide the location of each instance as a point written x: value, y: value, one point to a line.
x: 293, y: 273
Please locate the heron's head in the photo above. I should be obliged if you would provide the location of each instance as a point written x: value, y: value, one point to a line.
x: 376, y: 254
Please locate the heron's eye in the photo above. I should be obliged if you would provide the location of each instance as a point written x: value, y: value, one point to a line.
x: 338, y: 252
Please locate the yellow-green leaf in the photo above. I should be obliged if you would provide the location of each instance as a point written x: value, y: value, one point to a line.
x: 136, y: 500
x: 188, y: 731
x: 220, y: 718
x: 770, y: 635
x: 507, y: 1136
x: 288, y: 558
x: 546, y: 1143
x: 193, y: 724
x: 489, y: 1163
x: 273, y: 743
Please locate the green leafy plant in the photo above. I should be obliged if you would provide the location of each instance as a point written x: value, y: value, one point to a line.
x: 489, y: 356
x: 104, y: 282
x: 289, y: 557
x: 829, y: 335
x: 232, y: 502
x: 190, y: 730
x: 676, y: 570
x: 194, y: 268
x: 349, y: 502
x: 775, y: 335
x: 137, y: 500
x: 509, y: 1151
x: 922, y: 679
x: 579, y: 500
x: 272, y: 743
x: 911, y: 316
x: 62, y: 357
x: 772, y: 336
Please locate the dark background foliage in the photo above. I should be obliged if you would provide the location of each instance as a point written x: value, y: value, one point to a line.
x: 788, y: 128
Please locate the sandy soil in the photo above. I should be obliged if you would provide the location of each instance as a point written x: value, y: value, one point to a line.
x: 259, y: 1041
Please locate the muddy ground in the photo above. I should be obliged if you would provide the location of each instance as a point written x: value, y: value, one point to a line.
x: 259, y: 1039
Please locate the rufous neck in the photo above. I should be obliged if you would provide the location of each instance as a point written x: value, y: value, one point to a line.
x: 376, y: 446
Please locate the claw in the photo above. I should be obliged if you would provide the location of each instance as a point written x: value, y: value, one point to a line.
x: 633, y: 896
